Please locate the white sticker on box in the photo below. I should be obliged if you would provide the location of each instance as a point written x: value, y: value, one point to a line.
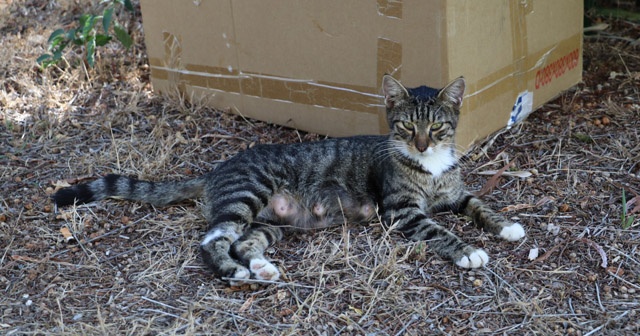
x: 521, y: 109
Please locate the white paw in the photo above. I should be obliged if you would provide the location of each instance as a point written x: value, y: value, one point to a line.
x: 477, y: 258
x: 239, y: 275
x: 263, y: 269
x: 513, y: 232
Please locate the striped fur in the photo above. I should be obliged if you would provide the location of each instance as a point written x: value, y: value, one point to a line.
x: 253, y: 198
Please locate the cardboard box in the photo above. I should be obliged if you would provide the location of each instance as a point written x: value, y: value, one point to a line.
x: 317, y: 65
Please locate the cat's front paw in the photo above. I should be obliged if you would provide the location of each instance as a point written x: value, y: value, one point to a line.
x: 263, y: 269
x: 477, y: 258
x: 513, y: 232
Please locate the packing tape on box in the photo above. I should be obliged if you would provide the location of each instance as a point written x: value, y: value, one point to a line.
x: 390, y: 8
x: 308, y: 92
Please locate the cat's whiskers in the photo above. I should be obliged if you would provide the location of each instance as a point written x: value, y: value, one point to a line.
x: 392, y: 146
x: 461, y: 154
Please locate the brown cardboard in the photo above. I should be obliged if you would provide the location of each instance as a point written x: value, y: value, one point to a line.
x: 317, y: 65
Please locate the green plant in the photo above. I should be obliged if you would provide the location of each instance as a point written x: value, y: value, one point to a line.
x: 86, y: 35
x: 9, y: 125
x: 626, y: 220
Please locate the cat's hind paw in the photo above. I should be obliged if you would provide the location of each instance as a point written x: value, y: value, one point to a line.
x: 239, y: 275
x: 475, y: 259
x: 513, y: 232
x: 263, y: 269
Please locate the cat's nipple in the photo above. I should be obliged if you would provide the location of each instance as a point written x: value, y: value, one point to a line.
x: 367, y: 211
x: 282, y: 206
x: 319, y: 210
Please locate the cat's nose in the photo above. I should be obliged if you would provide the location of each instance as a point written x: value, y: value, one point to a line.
x: 421, y: 142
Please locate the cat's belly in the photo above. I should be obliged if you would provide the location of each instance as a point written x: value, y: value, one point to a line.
x: 317, y: 211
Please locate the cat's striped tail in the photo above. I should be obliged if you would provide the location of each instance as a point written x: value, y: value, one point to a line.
x: 123, y: 187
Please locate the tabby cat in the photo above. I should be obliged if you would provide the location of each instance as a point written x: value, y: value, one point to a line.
x: 251, y: 199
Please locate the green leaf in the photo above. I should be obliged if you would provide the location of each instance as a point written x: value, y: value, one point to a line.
x: 57, y: 42
x: 83, y: 20
x: 106, y: 19
x: 102, y: 39
x: 47, y: 60
x: 91, y: 51
x: 55, y: 34
x: 128, y: 5
x: 627, y: 221
x: 122, y: 35
x: 71, y: 34
x: 43, y: 58
x: 57, y: 55
x: 88, y: 27
x: 583, y: 137
x: 47, y: 64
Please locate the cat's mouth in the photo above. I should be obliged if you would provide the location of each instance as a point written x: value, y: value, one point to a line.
x: 437, y: 151
x: 422, y: 152
x: 429, y: 151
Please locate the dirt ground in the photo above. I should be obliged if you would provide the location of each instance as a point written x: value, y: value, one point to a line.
x: 134, y: 269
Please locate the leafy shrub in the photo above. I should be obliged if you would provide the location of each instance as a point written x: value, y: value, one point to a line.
x: 87, y: 35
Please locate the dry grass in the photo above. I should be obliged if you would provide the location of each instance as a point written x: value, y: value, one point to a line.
x: 134, y: 269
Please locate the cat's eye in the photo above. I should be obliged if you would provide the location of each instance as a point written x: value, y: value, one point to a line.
x: 407, y: 125
x: 436, y: 126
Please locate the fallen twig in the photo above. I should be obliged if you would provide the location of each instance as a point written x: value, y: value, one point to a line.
x: 598, y: 248
x: 493, y: 181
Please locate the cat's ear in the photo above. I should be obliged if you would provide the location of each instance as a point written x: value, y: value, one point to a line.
x: 394, y: 93
x: 453, y: 92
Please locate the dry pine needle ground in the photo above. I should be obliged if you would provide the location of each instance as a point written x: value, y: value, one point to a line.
x: 130, y: 268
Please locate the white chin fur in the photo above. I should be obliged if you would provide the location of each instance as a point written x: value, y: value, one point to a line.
x: 435, y: 160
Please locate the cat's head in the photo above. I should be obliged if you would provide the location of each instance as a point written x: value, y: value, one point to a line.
x: 423, y: 126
